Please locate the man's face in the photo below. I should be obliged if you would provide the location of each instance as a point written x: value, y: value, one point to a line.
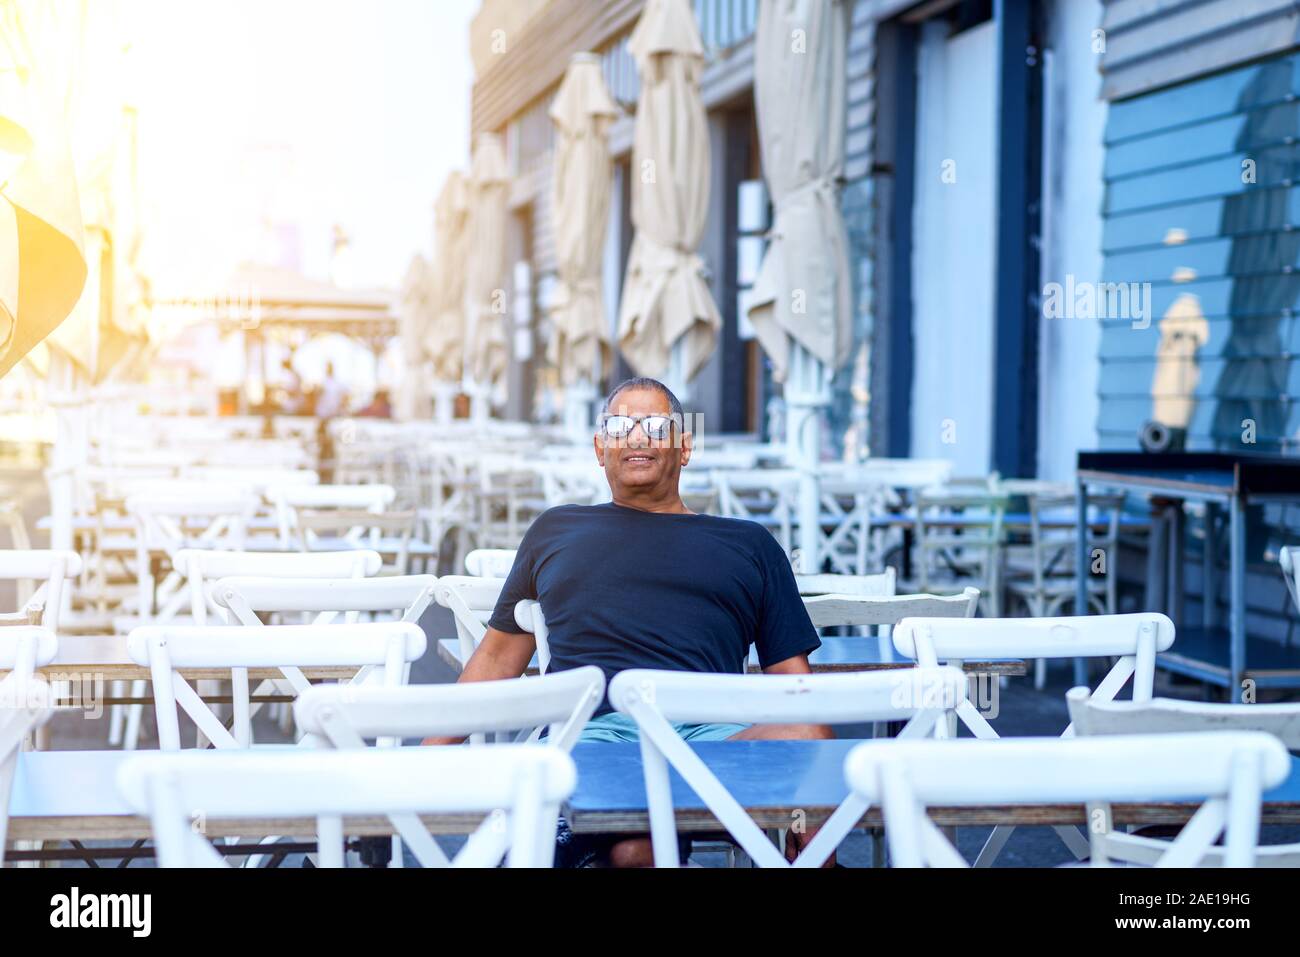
x: 637, y: 461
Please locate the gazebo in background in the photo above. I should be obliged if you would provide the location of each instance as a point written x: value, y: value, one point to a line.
x: 272, y: 304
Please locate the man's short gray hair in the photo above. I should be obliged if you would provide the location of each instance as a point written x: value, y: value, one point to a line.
x: 653, y: 385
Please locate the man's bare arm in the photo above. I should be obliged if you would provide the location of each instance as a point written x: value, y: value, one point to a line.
x: 797, y: 665
x: 500, y: 654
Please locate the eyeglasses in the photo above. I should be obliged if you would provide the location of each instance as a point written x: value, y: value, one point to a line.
x: 621, y: 426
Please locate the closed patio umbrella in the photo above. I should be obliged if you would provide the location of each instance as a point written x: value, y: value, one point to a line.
x: 485, y: 270
x: 802, y: 297
x: 803, y: 294
x: 583, y: 174
x: 668, y: 322
x: 445, y: 337
x: 415, y: 309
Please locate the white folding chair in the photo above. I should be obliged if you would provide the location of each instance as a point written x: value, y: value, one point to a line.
x: 654, y: 699
x: 344, y: 717
x: 320, y: 601
x: 199, y: 567
x: 520, y: 786
x: 507, y: 492
x: 572, y: 483
x: 388, y: 647
x: 1231, y: 770
x: 1289, y: 559
x: 490, y: 562
x: 52, y: 568
x: 959, y: 541
x: 1043, y: 575
x: 203, y: 568
x: 851, y: 502
x: 1171, y: 716
x: 1134, y: 639
x: 260, y: 480
x: 24, y: 707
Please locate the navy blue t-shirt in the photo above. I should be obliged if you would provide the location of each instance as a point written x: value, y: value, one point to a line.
x: 622, y: 588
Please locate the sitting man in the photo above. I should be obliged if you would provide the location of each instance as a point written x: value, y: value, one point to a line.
x: 643, y: 582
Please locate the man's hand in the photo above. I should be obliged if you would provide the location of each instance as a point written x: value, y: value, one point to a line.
x: 499, y: 655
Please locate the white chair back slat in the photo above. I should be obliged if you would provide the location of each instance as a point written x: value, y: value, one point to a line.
x: 564, y: 701
x: 406, y: 595
x: 379, y: 650
x: 1094, y: 636
x: 827, y: 611
x: 882, y: 585
x: 357, y: 563
x: 288, y: 499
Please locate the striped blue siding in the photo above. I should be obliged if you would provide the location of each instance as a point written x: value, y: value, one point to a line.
x: 1201, y: 204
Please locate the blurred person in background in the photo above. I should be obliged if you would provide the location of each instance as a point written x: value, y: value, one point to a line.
x: 331, y: 401
x: 289, y: 395
x: 380, y: 407
x: 332, y: 398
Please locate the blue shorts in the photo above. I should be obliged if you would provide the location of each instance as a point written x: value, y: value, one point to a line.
x: 613, y: 728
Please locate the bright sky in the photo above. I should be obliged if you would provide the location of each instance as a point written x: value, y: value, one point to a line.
x: 265, y: 122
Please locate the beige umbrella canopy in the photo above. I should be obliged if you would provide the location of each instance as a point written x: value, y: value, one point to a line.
x: 415, y: 307
x: 486, y: 266
x: 445, y: 336
x: 665, y: 297
x: 108, y: 323
x: 803, y: 292
x: 42, y: 264
x: 415, y: 310
x: 583, y: 173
